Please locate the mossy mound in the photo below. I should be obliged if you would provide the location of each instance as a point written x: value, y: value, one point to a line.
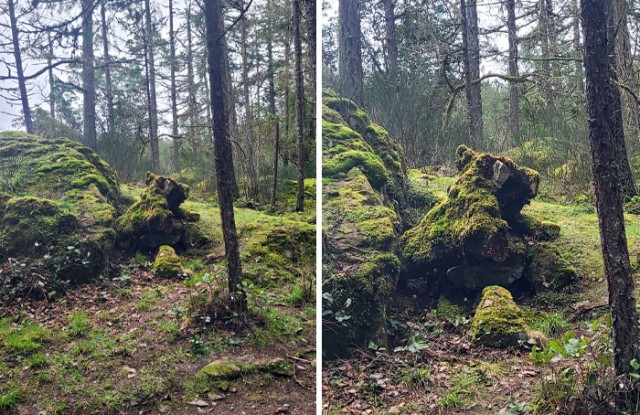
x: 167, y: 263
x: 59, y: 206
x: 156, y: 219
x: 351, y: 139
x: 469, y: 238
x: 498, y: 321
x: 220, y: 372
x: 361, y: 267
x: 547, y: 270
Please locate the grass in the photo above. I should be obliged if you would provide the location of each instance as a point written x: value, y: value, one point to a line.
x: 417, y: 379
x: 464, y: 389
x: 10, y: 399
x: 79, y: 324
x: 25, y: 340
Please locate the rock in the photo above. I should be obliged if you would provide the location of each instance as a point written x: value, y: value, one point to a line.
x: 167, y: 264
x: 280, y: 367
x: 199, y: 403
x: 226, y: 369
x: 215, y: 397
x: 476, y: 277
x: 157, y: 219
x: 498, y: 321
x: 547, y: 270
x: 473, y: 238
x: 66, y: 224
x: 365, y: 198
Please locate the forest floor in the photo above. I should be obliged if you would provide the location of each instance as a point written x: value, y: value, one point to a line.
x: 431, y: 366
x: 123, y: 345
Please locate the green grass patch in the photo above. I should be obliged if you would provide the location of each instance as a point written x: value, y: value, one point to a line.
x: 26, y: 339
x: 10, y: 399
x: 79, y: 323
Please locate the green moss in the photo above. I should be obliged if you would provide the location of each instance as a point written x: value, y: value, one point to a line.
x: 476, y: 217
x: 547, y: 270
x: 225, y: 369
x: 156, y: 218
x: 167, y: 264
x: 66, y: 221
x: 498, y: 321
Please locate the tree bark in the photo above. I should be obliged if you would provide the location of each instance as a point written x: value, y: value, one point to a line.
x: 52, y: 81
x: 191, y: 86
x: 311, y: 42
x: 350, y: 51
x: 391, y: 41
x: 107, y: 70
x: 22, y: 85
x: 300, y: 107
x: 471, y: 58
x: 174, y: 94
x: 88, y: 77
x: 153, y: 109
x: 548, y: 45
x: 577, y: 45
x: 514, y: 93
x: 604, y: 126
x: 222, y: 148
x: 274, y: 114
x: 625, y: 175
x: 252, y: 175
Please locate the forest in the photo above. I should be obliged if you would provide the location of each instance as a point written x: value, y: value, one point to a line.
x: 157, y: 206
x: 480, y: 207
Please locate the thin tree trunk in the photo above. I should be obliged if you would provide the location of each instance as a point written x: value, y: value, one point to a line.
x: 174, y: 95
x: 577, y: 45
x: 514, y: 93
x: 153, y: 109
x: 311, y: 42
x: 22, y: 86
x: 297, y: 39
x: 88, y: 77
x: 391, y: 41
x: 548, y: 42
x: 191, y: 86
x: 107, y: 70
x: 604, y: 125
x: 287, y: 79
x: 471, y: 58
x: 274, y: 114
x: 350, y: 51
x: 252, y: 187
x: 625, y: 175
x: 52, y: 81
x: 222, y: 148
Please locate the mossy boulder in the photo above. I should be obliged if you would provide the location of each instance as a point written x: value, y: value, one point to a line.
x: 351, y: 139
x: 167, y: 263
x: 59, y: 206
x: 547, y: 270
x: 468, y: 240
x: 156, y: 219
x: 498, y: 321
x: 220, y: 372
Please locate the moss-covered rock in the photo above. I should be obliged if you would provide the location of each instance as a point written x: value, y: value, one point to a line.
x: 59, y: 206
x: 469, y: 237
x: 547, y: 270
x: 156, y: 219
x: 498, y: 321
x: 167, y: 263
x: 365, y: 207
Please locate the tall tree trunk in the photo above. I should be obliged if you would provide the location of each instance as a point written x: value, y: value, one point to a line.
x: 471, y: 58
x: 107, y: 70
x: 390, y: 40
x: 514, y: 93
x: 350, y: 51
x: 287, y: 79
x: 174, y: 95
x: 191, y: 86
x: 297, y: 40
x: 624, y: 65
x: 311, y: 43
x: 625, y: 175
x: 252, y: 179
x: 22, y: 85
x: 604, y: 125
x: 222, y: 148
x: 274, y: 114
x: 52, y: 81
x: 88, y: 77
x: 577, y: 45
x: 548, y: 45
x: 153, y: 109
